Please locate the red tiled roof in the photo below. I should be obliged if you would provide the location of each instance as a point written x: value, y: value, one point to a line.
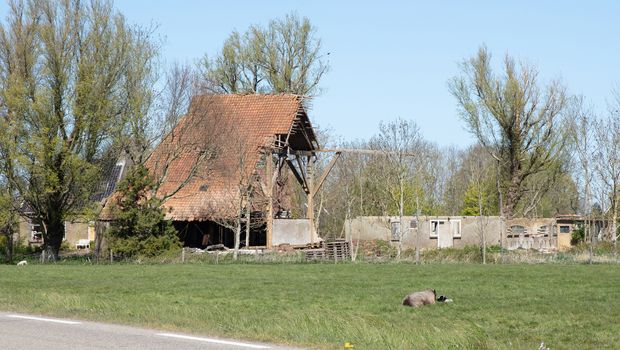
x: 234, y: 127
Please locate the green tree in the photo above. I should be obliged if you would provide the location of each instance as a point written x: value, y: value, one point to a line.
x: 478, y: 173
x: 513, y: 118
x: 475, y: 197
x: 139, y: 227
x: 68, y: 87
x: 8, y: 220
x: 284, y: 57
x: 550, y: 192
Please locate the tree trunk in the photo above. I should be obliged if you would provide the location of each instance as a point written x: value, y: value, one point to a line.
x: 512, y: 198
x: 614, y: 225
x: 237, y: 238
x: 417, y: 230
x: 54, y: 232
x: 588, y: 207
x: 248, y: 222
x: 480, y: 213
x: 100, y: 228
x: 238, y: 230
x: 502, y: 218
x: 400, y: 219
x: 9, y: 246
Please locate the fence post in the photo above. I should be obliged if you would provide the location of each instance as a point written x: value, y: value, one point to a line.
x: 183, y: 255
x: 111, y: 256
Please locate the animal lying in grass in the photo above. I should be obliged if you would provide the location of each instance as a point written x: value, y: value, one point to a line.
x: 444, y: 299
x: 22, y: 263
x: 417, y: 299
x: 425, y: 297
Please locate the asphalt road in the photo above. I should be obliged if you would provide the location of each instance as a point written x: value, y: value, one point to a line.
x: 19, y: 331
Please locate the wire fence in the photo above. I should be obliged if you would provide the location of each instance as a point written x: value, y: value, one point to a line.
x: 381, y: 253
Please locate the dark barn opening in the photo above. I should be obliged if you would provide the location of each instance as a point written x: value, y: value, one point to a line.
x: 201, y: 234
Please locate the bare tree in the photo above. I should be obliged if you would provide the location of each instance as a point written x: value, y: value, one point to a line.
x: 513, y: 118
x: 181, y: 85
x: 398, y: 140
x: 455, y: 183
x: 238, y: 180
x: 583, y: 146
x: 540, y: 186
x: 478, y: 175
x: 607, y: 136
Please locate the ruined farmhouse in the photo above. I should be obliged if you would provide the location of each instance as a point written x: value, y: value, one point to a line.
x: 230, y: 159
x: 431, y: 232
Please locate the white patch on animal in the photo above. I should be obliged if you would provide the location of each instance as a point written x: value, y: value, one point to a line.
x: 444, y: 299
x: 417, y: 299
x: 22, y: 263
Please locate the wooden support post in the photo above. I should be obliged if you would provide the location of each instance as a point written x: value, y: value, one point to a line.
x: 268, y: 178
x: 310, y: 209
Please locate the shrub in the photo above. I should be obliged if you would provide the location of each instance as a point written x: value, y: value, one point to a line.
x: 577, y: 235
x: 140, y: 228
x: 65, y: 246
x: 470, y: 253
x: 494, y: 248
x: 375, y: 248
x: 151, y: 246
x: 25, y: 249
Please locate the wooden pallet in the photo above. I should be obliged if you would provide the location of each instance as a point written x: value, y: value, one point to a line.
x: 315, y: 254
x: 338, y: 250
x: 315, y: 245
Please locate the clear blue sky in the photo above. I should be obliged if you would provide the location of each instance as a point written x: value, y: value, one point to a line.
x: 392, y: 59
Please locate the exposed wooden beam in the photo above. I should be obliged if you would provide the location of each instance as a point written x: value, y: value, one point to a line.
x: 310, y: 196
x: 326, y: 172
x: 302, y: 170
x: 351, y: 150
x: 297, y: 176
x: 269, y: 192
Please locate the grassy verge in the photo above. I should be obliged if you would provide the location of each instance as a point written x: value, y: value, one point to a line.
x: 324, y: 305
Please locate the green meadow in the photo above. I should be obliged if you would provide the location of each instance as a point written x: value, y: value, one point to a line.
x: 322, y: 306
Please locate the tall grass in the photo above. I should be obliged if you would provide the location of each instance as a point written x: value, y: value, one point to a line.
x: 324, y: 305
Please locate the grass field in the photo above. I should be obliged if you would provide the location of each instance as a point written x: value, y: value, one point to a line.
x: 324, y: 305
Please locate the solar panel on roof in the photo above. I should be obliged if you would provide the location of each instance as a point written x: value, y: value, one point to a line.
x: 114, y: 177
x: 108, y: 185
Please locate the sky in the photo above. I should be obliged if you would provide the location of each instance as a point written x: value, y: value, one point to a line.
x: 393, y: 59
